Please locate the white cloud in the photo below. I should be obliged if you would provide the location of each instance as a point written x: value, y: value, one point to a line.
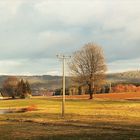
x: 8, y: 9
x: 124, y: 65
x: 36, y: 30
x: 54, y: 38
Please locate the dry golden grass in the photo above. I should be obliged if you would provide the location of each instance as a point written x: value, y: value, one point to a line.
x: 97, y: 119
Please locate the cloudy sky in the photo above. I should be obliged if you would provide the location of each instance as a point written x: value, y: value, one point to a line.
x: 32, y: 32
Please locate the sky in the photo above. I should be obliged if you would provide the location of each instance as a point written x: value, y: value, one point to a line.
x: 33, y: 32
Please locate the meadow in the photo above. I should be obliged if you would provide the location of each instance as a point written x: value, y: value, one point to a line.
x: 97, y: 119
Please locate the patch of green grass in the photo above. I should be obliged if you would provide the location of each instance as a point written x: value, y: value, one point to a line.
x: 84, y: 120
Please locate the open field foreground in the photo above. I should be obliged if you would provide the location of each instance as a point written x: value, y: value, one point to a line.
x: 97, y: 119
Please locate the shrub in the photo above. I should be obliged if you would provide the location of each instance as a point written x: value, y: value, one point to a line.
x: 125, y: 88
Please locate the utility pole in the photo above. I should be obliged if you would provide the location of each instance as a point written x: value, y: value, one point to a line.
x: 110, y: 87
x: 63, y: 58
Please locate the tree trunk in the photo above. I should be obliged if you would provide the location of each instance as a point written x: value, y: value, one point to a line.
x: 91, y: 96
x: 90, y: 91
x: 13, y: 97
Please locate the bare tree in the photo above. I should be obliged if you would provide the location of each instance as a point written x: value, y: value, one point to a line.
x: 10, y: 86
x: 88, y: 66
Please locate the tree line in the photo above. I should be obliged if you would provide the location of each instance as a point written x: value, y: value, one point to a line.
x: 13, y: 87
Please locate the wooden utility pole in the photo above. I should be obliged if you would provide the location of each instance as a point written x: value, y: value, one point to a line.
x: 63, y: 58
x: 110, y: 87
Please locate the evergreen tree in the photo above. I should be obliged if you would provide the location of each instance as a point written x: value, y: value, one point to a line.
x: 28, y: 88
x: 19, y: 87
x: 10, y: 86
x: 23, y: 89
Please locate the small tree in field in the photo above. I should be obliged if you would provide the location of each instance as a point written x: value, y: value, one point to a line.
x: 88, y: 67
x: 28, y: 88
x: 23, y: 89
x: 13, y: 87
x: 10, y: 86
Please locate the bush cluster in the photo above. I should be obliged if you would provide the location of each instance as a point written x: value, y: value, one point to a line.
x: 12, y: 87
x: 125, y: 88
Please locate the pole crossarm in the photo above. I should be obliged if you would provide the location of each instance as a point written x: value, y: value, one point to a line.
x: 61, y: 56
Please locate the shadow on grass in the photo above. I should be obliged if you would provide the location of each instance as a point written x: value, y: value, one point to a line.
x: 70, y: 130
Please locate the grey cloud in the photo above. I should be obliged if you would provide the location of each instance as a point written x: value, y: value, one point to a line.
x: 38, y: 30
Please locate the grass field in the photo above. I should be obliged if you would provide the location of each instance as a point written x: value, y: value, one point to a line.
x: 97, y: 119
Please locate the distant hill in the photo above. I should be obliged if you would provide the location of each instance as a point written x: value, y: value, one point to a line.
x: 55, y: 82
x: 125, y: 77
x: 41, y: 82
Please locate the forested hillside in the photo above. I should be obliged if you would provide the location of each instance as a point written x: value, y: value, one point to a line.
x: 41, y: 82
x: 125, y: 77
x: 55, y: 82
